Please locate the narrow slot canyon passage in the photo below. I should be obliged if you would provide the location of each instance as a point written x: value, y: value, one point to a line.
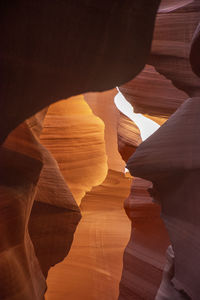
x: 95, y: 260
x: 93, y: 268
x: 87, y: 152
x: 99, y: 153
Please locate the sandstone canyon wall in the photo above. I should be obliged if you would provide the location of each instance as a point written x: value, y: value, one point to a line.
x: 75, y: 137
x: 95, y: 259
x: 53, y: 50
x: 29, y: 173
x: 171, y: 175
x: 60, y: 158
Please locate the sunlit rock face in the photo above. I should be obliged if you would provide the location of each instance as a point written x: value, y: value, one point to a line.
x: 75, y: 137
x: 50, y: 51
x: 53, y: 50
x: 102, y: 105
x: 176, y: 186
x: 24, y: 162
x: 95, y: 259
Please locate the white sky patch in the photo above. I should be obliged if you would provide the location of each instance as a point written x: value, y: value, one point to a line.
x: 126, y: 170
x: 147, y: 126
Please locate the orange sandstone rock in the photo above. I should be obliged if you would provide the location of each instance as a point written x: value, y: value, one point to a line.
x: 95, y: 260
x: 75, y: 137
x: 103, y: 106
x: 27, y: 173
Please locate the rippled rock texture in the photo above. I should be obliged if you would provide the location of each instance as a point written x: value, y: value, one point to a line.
x: 51, y: 51
x: 152, y: 94
x: 29, y: 173
x: 75, y: 137
x: 102, y: 105
x: 161, y: 88
x: 168, y: 157
x: 176, y: 185
x: 95, y: 260
x: 128, y: 135
x: 21, y: 276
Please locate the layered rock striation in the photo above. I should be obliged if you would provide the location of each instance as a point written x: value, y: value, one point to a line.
x: 152, y: 94
x: 95, y: 259
x: 51, y: 51
x: 144, y: 256
x: 176, y: 188
x: 128, y: 135
x: 75, y: 137
x: 24, y: 260
x: 103, y: 106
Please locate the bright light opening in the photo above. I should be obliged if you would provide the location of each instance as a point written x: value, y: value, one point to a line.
x: 146, y: 126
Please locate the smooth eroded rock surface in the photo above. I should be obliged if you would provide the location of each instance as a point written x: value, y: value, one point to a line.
x: 176, y: 187
x: 75, y: 137
x: 26, y: 251
x: 144, y: 256
x: 95, y: 260
x: 53, y: 50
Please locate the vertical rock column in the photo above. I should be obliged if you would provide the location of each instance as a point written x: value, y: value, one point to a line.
x: 75, y: 137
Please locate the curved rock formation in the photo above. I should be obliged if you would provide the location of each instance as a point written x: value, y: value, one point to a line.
x: 167, y: 290
x: 50, y: 51
x: 176, y: 187
x: 151, y: 93
x: 102, y: 105
x: 171, y: 45
x: 155, y: 95
x: 93, y: 267
x: 53, y: 50
x: 75, y: 137
x: 54, y: 215
x: 24, y: 164
x: 21, y: 164
x: 128, y: 135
